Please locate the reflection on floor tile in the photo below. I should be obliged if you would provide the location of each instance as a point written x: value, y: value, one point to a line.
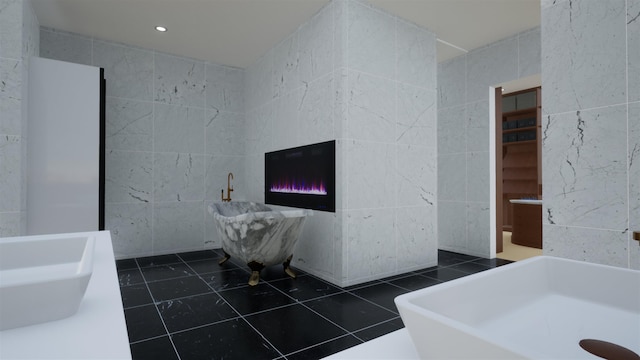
x: 187, y: 306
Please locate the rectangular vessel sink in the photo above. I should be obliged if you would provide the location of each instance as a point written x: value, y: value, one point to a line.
x: 533, y: 309
x: 43, y: 278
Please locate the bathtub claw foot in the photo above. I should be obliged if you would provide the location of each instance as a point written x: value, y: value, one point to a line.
x: 224, y: 259
x: 254, y: 278
x: 290, y: 272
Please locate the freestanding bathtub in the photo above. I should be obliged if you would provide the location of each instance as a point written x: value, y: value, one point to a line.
x: 258, y: 235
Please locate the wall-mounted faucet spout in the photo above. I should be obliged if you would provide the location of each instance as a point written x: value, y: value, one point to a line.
x: 229, y: 188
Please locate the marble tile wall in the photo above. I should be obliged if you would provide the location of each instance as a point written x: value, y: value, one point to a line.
x: 463, y: 136
x: 19, y: 40
x: 174, y: 131
x: 591, y: 143
x: 367, y: 79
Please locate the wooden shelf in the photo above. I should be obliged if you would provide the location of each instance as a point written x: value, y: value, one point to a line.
x: 507, y: 131
x: 519, y: 112
x: 520, y: 142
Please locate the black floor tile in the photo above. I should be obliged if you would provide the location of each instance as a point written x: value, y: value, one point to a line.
x: 447, y: 258
x: 154, y: 349
x: 350, y: 311
x: 495, y: 262
x: 227, y: 279
x: 130, y: 277
x: 143, y: 322
x: 232, y: 339
x: 276, y: 272
x: 294, y: 327
x: 326, y: 349
x: 168, y: 271
x: 445, y: 274
x: 470, y: 267
x: 158, y: 260
x: 177, y: 288
x: 251, y: 299
x: 378, y: 330
x: 135, y: 295
x: 415, y: 282
x: 209, y: 266
x: 190, y: 312
x: 305, y: 287
x: 126, y: 264
x: 381, y: 294
x: 199, y: 255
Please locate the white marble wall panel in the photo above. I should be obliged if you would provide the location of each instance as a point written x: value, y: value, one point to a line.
x: 64, y: 46
x: 259, y: 129
x: 478, y: 228
x: 128, y: 71
x: 10, y: 172
x: 225, y: 88
x: 372, y: 249
x: 10, y: 21
x: 600, y: 246
x: 130, y: 227
x: 634, y: 182
x: 478, y: 176
x: 285, y: 129
x: 416, y: 180
x: 316, y: 111
x: 371, y: 178
x: 340, y: 33
x: 371, y: 40
x: 211, y: 237
x: 452, y: 82
x: 452, y: 175
x: 178, y: 227
x: 30, y: 31
x: 285, y: 66
x: 529, y: 53
x: 340, y: 103
x: 416, y: 238
x: 217, y: 169
x: 258, y: 82
x: 11, y: 75
x: 489, y: 66
x: 452, y: 220
x: 585, y: 35
x: 416, y: 55
x: 416, y: 122
x: 178, y: 128
x: 10, y: 115
x: 315, y: 247
x: 633, y: 50
x: 315, y: 43
x: 128, y: 176
x: 584, y: 151
x: 178, y: 177
x: 10, y: 224
x: 254, y: 173
x: 372, y: 108
x: 477, y: 131
x: 179, y: 81
x: 129, y: 124
x: 452, y: 130
x: 224, y: 132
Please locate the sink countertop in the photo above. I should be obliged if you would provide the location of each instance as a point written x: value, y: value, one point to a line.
x: 97, y: 331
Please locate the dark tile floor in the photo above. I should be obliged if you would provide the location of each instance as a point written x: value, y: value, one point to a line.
x: 186, y: 306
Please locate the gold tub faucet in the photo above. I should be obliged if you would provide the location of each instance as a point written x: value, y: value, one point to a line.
x: 229, y: 188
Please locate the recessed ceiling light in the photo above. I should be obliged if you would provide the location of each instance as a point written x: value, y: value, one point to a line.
x: 161, y: 28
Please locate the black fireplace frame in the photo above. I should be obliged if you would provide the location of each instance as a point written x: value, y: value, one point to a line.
x: 322, y: 157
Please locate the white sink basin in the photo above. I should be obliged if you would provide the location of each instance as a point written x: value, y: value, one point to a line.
x: 533, y: 309
x: 43, y: 278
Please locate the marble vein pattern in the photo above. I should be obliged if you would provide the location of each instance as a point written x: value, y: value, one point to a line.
x: 253, y: 232
x: 416, y: 123
x: 529, y: 53
x: 10, y: 21
x: 10, y: 184
x: 224, y: 88
x: 179, y: 81
x: 584, y: 151
x: 286, y: 119
x: 416, y: 237
x: 371, y: 177
x: 587, y: 34
x: 371, y: 243
x: 11, y: 75
x: 372, y: 108
x: 128, y: 177
x: 128, y: 71
x: 130, y: 227
x: 315, y: 46
x: 316, y: 110
x: 450, y: 215
x: 608, y: 247
x: 129, y: 124
x: 477, y: 126
x: 451, y: 129
x: 417, y: 179
x: 182, y: 220
x: 285, y: 66
x: 416, y: 55
x: 452, y: 82
x: 178, y: 177
x: 316, y: 249
x: 634, y: 172
x: 452, y: 174
x: 633, y: 50
x: 178, y: 129
x: 64, y: 46
x: 11, y: 119
x: 489, y: 66
x: 224, y: 131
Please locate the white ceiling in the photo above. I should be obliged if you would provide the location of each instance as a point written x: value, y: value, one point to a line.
x: 237, y: 32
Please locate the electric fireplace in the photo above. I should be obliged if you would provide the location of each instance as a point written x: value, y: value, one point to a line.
x: 303, y: 177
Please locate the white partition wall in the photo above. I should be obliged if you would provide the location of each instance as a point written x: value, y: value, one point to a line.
x: 63, y: 151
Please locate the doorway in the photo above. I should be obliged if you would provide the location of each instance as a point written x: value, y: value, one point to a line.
x: 518, y: 173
